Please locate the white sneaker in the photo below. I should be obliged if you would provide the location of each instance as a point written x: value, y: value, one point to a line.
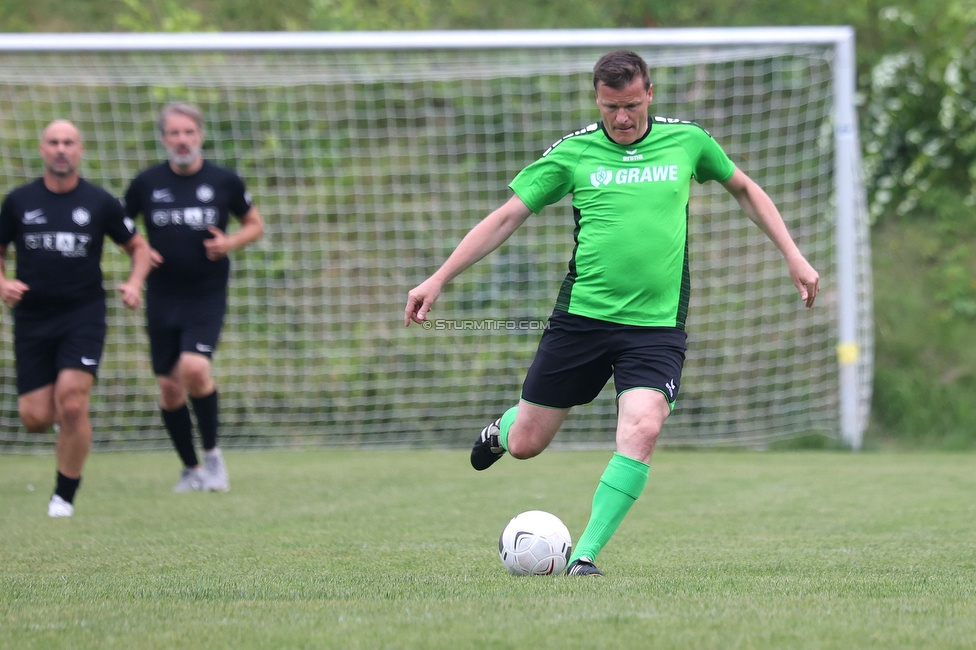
x: 58, y: 507
x: 215, y: 478
x: 191, y: 480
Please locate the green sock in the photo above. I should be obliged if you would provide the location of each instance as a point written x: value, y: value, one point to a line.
x: 622, y: 482
x: 508, y: 417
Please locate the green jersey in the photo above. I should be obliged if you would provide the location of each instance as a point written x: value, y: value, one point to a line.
x: 630, y: 203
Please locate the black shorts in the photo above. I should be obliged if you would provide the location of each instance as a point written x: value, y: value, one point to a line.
x: 577, y: 355
x: 178, y: 324
x: 46, y: 344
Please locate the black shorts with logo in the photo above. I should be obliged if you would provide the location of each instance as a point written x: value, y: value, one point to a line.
x: 577, y: 355
x: 178, y: 324
x: 47, y: 343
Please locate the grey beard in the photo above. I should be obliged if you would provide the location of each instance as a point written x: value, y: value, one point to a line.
x: 184, y: 159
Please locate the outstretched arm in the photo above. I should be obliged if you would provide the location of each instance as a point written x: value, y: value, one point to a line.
x: 490, y: 233
x: 760, y: 209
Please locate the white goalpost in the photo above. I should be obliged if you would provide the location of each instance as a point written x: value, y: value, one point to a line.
x: 371, y: 154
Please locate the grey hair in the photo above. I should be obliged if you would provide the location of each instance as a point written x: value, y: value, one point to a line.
x: 180, y: 108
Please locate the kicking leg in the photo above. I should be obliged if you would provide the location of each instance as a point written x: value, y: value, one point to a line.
x: 640, y: 417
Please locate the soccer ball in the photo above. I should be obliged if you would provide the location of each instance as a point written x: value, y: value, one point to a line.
x: 535, y: 543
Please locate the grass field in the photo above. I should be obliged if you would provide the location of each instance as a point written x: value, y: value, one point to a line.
x: 345, y: 549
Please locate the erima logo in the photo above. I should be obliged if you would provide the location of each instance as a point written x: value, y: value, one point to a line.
x: 632, y: 155
x: 204, y: 348
x: 671, y: 388
x: 87, y: 361
x: 34, y: 217
x: 162, y: 196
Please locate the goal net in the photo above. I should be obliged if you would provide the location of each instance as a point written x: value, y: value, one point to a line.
x: 371, y: 155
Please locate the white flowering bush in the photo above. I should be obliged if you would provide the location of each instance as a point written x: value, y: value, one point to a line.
x: 919, y: 142
x: 920, y: 115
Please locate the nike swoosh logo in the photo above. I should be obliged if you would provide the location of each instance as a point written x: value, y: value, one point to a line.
x: 204, y: 348
x: 32, y: 216
x: 162, y: 196
x: 89, y: 362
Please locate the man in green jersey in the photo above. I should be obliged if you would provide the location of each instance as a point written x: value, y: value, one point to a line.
x: 621, y: 309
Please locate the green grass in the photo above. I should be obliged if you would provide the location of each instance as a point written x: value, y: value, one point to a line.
x: 345, y: 549
x: 925, y: 365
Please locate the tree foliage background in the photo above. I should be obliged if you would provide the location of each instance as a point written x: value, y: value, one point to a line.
x: 917, y: 91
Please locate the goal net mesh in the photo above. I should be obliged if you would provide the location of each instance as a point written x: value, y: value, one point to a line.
x: 369, y: 166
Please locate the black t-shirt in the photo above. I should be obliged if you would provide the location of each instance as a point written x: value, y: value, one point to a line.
x: 178, y: 210
x: 59, y: 240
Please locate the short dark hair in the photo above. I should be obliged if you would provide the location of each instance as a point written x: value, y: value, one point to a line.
x: 619, y: 68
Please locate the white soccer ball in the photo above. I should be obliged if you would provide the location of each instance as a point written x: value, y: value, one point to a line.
x: 535, y: 543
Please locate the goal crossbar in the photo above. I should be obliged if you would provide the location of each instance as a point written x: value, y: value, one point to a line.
x: 421, y: 40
